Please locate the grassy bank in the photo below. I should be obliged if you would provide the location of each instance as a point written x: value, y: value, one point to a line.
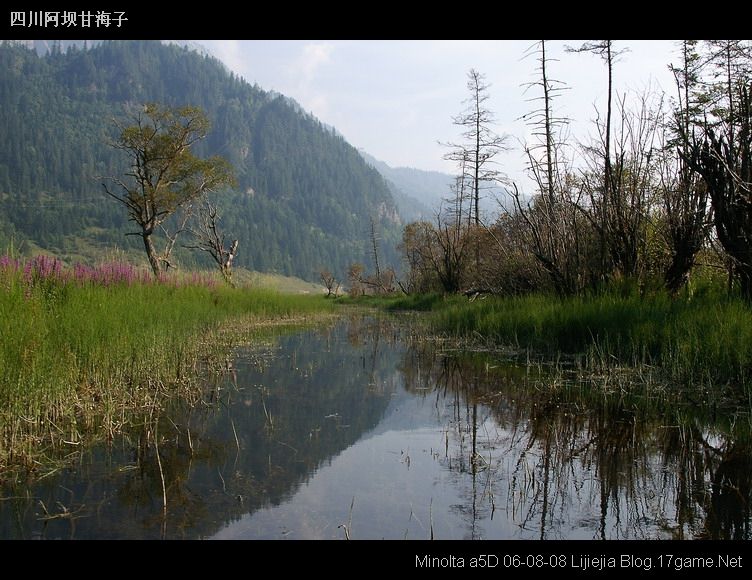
x: 80, y: 347
x: 705, y: 339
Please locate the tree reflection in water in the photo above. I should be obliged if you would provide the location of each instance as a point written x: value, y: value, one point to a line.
x: 571, y: 458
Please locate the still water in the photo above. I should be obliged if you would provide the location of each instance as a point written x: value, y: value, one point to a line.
x: 361, y: 430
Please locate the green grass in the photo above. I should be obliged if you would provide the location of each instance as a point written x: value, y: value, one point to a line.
x: 703, y: 339
x: 67, y: 348
x: 278, y: 282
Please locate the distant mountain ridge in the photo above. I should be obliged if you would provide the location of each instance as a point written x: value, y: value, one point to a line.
x: 419, y: 193
x: 427, y: 188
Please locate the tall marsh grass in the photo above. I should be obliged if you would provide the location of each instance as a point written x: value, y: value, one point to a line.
x: 703, y: 339
x: 89, y: 342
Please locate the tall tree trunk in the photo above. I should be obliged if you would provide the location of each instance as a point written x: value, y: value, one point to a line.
x: 607, y: 177
x: 478, y: 162
x: 677, y: 274
x: 548, y: 129
x: 151, y: 252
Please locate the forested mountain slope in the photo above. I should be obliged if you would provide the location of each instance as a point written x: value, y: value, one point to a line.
x: 304, y: 200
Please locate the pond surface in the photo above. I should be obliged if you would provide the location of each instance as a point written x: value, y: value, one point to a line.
x: 360, y: 429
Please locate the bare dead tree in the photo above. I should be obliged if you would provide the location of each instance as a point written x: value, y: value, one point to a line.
x: 558, y: 236
x: 546, y: 127
x: 355, y: 277
x: 449, y: 254
x: 508, y: 266
x: 476, y: 155
x: 417, y: 238
x: 460, y: 197
x: 330, y: 282
x: 634, y: 185
x: 438, y: 254
x: 171, y: 232
x: 362, y: 283
x: 381, y: 283
x: 209, y: 238
x: 375, y: 249
x: 620, y: 213
x: 604, y: 49
x: 552, y: 223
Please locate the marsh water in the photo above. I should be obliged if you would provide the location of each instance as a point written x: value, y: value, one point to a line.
x: 362, y: 429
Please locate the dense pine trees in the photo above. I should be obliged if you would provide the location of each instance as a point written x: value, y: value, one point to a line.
x: 304, y: 197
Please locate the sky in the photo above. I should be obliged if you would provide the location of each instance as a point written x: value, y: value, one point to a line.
x: 396, y: 98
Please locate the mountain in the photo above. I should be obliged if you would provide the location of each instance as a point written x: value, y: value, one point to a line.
x: 427, y: 188
x: 305, y: 197
x: 409, y: 208
x: 419, y: 193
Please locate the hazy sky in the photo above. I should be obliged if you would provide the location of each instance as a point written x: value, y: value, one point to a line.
x: 396, y: 98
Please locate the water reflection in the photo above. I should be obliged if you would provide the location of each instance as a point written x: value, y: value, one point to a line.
x: 267, y: 424
x: 365, y: 426
x: 570, y: 461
